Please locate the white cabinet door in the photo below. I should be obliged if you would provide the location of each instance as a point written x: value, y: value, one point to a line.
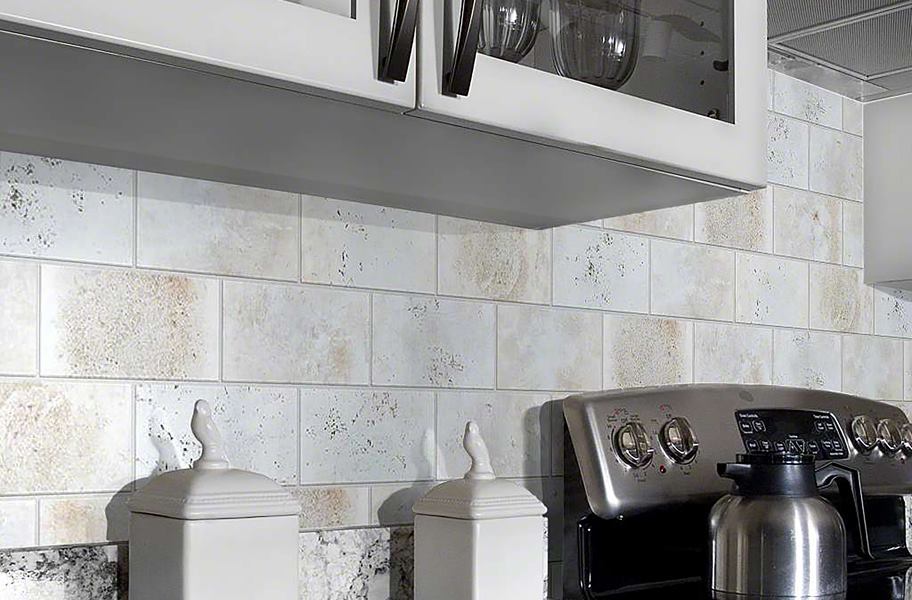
x: 327, y: 47
x: 693, y: 58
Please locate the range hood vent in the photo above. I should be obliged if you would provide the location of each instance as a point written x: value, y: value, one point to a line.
x: 860, y: 48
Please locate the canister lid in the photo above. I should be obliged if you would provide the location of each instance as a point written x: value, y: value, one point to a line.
x: 212, y: 489
x: 479, y: 495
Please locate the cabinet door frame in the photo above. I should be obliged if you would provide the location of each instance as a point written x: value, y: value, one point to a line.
x: 276, y: 42
x: 532, y: 104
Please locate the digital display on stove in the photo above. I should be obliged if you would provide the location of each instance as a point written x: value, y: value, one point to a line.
x: 797, y: 431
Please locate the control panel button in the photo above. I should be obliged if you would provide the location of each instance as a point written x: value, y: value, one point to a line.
x: 759, y: 426
x: 906, y: 431
x: 890, y: 438
x: 863, y: 432
x: 679, y: 440
x: 746, y: 426
x: 632, y: 445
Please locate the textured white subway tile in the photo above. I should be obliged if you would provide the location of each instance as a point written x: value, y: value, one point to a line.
x: 674, y: 222
x: 892, y: 312
x: 601, y: 269
x: 840, y: 300
x: 548, y: 349
x: 286, y: 333
x: 83, y: 519
x: 872, y: 367
x: 366, y: 435
x: 732, y: 353
x: 853, y: 234
x: 392, y: 504
x: 744, y: 221
x: 836, y: 163
x: 771, y: 291
x: 787, y: 151
x: 907, y: 370
x: 800, y: 99
x: 60, y: 209
x: 808, y: 359
x: 193, y: 225
x: 18, y: 318
x: 103, y: 323
x: 348, y: 243
x: 332, y: 507
x: 18, y: 522
x: 432, y: 342
x: 64, y: 437
x: 852, y: 116
x: 643, y: 351
x: 486, y: 260
x: 258, y: 425
x: 514, y: 426
x: 692, y: 281
x: 807, y: 225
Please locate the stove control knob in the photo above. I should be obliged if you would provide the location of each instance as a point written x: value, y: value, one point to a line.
x: 890, y: 436
x: 863, y: 432
x: 906, y: 431
x: 632, y: 445
x: 678, y: 440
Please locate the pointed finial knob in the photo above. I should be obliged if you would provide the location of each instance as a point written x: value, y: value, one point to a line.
x: 203, y: 427
x: 475, y: 446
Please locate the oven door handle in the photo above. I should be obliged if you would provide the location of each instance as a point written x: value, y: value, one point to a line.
x: 394, y: 62
x: 458, y: 77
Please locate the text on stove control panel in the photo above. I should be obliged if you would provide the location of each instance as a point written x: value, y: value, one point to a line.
x: 796, y: 431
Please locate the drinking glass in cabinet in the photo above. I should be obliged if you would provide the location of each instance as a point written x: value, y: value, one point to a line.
x: 509, y: 28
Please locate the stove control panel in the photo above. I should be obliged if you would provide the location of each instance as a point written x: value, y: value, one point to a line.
x: 796, y: 431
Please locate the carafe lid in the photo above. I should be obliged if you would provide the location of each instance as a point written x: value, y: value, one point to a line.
x: 771, y: 474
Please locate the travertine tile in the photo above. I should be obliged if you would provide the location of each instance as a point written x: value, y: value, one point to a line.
x: 907, y: 369
x: 258, y: 425
x: 853, y: 234
x: 771, y: 291
x: 674, y: 222
x: 852, y: 116
x: 366, y: 435
x: 872, y: 367
x: 105, y: 323
x: 807, y: 225
x: 740, y: 222
x: 18, y: 522
x: 514, y: 426
x: 892, y: 312
x: 432, y: 342
x: 732, y: 353
x: 808, y: 359
x: 557, y: 433
x: 836, y: 163
x: 285, y: 333
x: 548, y: 349
x: 840, y: 300
x: 787, y: 151
x: 18, y: 318
x: 83, y: 519
x: 601, y: 269
x: 486, y: 260
x: 332, y: 507
x: 193, y: 225
x: 392, y: 504
x: 60, y: 209
x: 348, y: 243
x: 643, y: 351
x: 66, y: 437
x: 550, y: 492
x: 770, y: 88
x: 800, y: 99
x: 692, y: 281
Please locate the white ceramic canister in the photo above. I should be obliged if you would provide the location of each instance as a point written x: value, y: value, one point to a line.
x: 213, y: 532
x: 479, y: 537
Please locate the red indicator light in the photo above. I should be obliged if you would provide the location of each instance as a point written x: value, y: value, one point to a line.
x: 662, y: 469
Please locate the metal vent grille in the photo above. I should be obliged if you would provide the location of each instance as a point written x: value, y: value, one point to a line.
x: 788, y: 16
x: 869, y: 48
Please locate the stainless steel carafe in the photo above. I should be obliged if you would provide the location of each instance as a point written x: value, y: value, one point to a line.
x: 774, y: 536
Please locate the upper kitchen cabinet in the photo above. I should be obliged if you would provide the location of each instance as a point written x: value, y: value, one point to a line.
x: 676, y: 85
x: 358, y: 50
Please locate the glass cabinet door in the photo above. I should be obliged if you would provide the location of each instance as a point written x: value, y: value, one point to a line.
x: 358, y: 50
x: 676, y: 83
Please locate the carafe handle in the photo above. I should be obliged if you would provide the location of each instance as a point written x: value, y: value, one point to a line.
x: 849, y: 483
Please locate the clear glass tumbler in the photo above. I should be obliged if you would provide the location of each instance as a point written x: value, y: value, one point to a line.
x: 509, y: 28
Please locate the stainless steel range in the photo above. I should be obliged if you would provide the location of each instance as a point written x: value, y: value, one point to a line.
x: 641, y: 474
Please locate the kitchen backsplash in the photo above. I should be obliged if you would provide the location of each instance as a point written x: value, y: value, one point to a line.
x: 343, y: 346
